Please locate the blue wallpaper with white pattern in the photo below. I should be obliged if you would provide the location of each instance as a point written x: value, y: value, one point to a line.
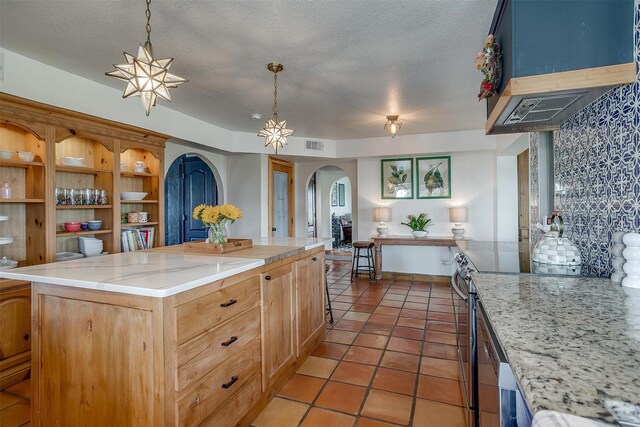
x: 597, y: 170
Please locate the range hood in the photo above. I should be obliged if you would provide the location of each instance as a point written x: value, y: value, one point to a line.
x: 557, y: 57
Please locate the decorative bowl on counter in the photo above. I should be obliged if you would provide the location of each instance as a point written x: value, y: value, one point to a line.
x: 6, y: 263
x: 71, y: 226
x: 94, y: 225
x: 26, y: 156
x: 72, y: 161
x: 132, y: 195
x: 6, y: 155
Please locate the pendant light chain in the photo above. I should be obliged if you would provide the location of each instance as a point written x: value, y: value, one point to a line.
x: 275, y: 94
x: 148, y: 14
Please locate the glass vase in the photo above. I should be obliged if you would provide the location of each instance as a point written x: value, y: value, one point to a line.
x: 217, y: 233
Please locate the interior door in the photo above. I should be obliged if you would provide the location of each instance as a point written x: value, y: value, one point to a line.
x: 281, y: 201
x: 523, y: 196
x: 199, y: 187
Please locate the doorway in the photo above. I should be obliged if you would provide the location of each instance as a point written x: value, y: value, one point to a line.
x: 281, y: 198
x: 523, y: 197
x: 312, y: 229
x: 189, y: 183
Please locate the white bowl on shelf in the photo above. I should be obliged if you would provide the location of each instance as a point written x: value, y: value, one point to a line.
x: 26, y: 156
x: 4, y: 217
x: 132, y: 195
x: 72, y: 161
x: 6, y: 155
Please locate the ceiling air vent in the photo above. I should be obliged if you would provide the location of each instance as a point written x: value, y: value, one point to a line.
x: 314, y: 145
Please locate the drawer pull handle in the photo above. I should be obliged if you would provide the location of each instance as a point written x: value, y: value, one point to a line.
x: 314, y: 259
x: 231, y: 341
x: 267, y: 277
x: 227, y: 304
x: 230, y: 383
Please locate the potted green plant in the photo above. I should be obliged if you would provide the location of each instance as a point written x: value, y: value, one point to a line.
x: 418, y: 224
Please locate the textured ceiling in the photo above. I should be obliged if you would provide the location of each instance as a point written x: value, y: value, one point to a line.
x: 348, y: 63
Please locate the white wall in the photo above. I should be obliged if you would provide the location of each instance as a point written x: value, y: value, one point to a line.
x: 507, y: 199
x: 472, y: 185
x: 247, y: 189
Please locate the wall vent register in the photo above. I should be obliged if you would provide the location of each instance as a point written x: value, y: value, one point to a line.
x: 314, y: 145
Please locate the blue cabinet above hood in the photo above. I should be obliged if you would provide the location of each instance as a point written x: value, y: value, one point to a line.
x: 558, y: 56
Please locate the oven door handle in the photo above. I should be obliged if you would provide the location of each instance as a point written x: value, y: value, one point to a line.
x: 455, y: 287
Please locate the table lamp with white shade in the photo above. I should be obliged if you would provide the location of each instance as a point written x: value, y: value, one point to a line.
x: 382, y: 215
x: 458, y: 215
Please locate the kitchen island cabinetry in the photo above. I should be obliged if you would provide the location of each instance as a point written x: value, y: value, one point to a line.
x: 165, y: 338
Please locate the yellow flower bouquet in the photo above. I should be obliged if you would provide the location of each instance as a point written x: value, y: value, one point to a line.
x: 216, y: 218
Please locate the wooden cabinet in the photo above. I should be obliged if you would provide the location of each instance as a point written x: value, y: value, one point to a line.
x: 211, y: 356
x: 278, y: 321
x: 150, y: 181
x: 52, y: 133
x: 15, y: 332
x: 309, y: 292
x: 35, y: 219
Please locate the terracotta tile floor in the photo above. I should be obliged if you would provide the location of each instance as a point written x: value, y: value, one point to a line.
x: 388, y: 360
x: 382, y: 364
x: 15, y: 405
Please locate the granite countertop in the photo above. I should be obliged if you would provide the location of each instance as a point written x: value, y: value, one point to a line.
x: 573, y: 343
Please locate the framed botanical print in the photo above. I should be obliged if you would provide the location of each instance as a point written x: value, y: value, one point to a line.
x: 397, y: 178
x: 340, y: 194
x: 433, y: 177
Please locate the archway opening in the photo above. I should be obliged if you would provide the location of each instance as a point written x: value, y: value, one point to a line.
x: 330, y: 207
x: 190, y: 181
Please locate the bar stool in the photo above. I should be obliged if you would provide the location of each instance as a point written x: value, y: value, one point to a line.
x: 356, y: 269
x: 326, y: 288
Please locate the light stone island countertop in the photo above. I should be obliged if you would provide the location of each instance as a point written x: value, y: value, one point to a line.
x: 158, y: 273
x: 572, y: 343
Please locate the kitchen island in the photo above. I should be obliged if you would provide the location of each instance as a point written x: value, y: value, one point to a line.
x: 164, y: 337
x: 573, y: 343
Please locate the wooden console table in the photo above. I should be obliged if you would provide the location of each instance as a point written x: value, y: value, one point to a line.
x: 379, y: 241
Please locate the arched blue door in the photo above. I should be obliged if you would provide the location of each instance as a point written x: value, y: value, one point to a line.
x: 189, y: 183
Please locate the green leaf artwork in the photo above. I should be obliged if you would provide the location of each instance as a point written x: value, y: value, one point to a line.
x: 433, y: 178
x: 397, y: 178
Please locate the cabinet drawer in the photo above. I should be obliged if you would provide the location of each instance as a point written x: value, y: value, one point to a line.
x: 200, y: 355
x: 205, y: 397
x: 210, y: 310
x: 238, y: 405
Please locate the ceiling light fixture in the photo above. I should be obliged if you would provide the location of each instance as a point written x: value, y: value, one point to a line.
x: 392, y: 126
x: 146, y: 76
x: 275, y: 132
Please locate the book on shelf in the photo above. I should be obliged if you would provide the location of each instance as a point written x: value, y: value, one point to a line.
x: 137, y: 239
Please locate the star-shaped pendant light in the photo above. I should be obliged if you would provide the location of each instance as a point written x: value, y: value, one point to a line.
x: 275, y: 132
x: 146, y: 76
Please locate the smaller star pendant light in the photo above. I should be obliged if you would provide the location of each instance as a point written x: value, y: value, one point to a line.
x: 146, y: 76
x: 275, y: 132
x: 392, y: 126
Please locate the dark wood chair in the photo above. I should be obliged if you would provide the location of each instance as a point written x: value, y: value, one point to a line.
x: 346, y: 231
